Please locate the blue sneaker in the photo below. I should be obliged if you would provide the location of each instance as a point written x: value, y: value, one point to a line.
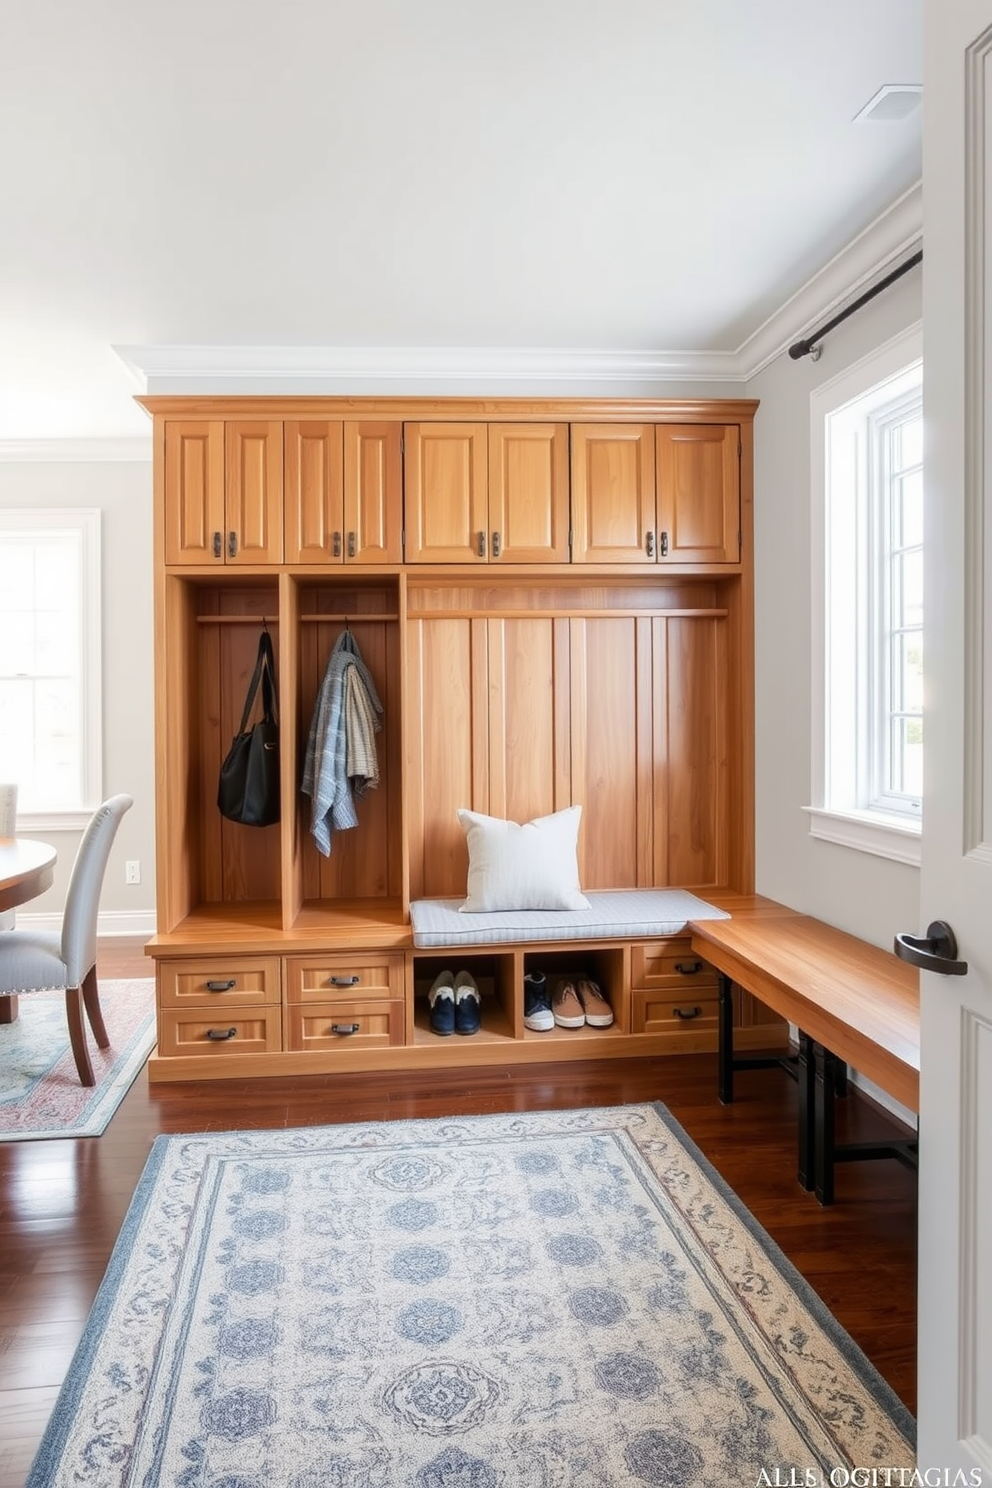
x: 537, y: 1003
x: 442, y: 1000
x: 468, y: 1004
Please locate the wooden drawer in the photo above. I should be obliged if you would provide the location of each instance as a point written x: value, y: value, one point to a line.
x: 235, y: 1031
x: 658, y: 964
x: 245, y: 981
x: 359, y: 1024
x: 325, y: 979
x: 669, y: 1012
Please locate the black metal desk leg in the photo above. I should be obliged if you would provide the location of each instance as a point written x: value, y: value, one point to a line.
x: 826, y: 1083
x: 807, y: 1112
x: 725, y: 1046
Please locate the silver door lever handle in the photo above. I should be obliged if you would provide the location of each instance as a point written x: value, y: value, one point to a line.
x: 935, y: 951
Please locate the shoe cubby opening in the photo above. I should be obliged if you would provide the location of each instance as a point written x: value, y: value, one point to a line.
x: 603, y: 966
x: 494, y: 977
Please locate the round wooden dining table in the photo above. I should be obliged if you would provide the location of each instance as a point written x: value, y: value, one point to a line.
x: 27, y: 868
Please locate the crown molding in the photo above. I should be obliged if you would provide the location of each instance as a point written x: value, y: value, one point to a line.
x: 189, y: 370
x: 892, y: 236
x: 288, y: 370
x: 78, y: 451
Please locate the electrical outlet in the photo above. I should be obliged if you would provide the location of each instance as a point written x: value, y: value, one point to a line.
x: 132, y: 871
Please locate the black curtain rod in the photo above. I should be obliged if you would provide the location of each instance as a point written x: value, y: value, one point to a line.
x: 803, y: 348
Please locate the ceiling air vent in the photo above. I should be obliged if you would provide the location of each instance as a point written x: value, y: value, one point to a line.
x: 891, y: 104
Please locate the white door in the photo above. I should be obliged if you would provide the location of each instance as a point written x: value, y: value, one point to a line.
x: 955, y: 1343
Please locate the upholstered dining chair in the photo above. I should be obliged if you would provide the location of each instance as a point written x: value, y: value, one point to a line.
x: 36, y: 960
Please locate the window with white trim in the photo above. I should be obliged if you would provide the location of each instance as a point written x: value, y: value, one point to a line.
x: 868, y: 603
x: 50, y: 692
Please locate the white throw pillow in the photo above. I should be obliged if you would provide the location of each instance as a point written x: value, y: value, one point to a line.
x: 533, y: 866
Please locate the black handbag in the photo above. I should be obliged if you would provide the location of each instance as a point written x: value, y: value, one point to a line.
x: 248, y: 790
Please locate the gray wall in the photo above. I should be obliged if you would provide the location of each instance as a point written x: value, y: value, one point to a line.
x: 868, y: 896
x: 123, y: 492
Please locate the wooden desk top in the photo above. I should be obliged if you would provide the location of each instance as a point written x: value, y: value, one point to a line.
x: 861, y: 1002
x: 26, y: 869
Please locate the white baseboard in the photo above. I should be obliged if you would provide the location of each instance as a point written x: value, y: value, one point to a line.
x: 113, y: 922
x: 881, y: 1098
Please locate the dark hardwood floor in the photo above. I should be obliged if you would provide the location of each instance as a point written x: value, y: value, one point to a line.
x: 63, y: 1202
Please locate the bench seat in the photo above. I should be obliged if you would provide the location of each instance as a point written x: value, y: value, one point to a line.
x: 613, y: 914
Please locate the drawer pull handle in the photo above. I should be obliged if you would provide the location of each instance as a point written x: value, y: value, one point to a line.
x: 345, y: 1028
x: 220, y: 1034
x: 688, y: 968
x: 685, y: 1015
x: 222, y: 986
x: 351, y: 981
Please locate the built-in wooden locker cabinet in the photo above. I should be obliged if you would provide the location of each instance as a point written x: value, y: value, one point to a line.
x: 344, y: 492
x: 519, y: 672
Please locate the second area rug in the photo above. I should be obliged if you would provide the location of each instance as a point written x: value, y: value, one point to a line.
x: 40, y: 1093
x: 552, y: 1300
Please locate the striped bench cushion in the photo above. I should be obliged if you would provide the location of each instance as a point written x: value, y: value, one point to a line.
x: 613, y: 914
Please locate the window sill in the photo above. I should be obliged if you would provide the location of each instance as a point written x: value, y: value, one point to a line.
x: 867, y: 831
x: 29, y: 822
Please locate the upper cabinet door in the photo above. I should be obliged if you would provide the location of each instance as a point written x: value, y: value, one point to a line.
x: 314, y: 475
x: 528, y: 493
x: 699, y: 493
x: 445, y: 476
x: 253, y: 492
x: 373, y: 493
x: 195, y: 529
x: 613, y: 513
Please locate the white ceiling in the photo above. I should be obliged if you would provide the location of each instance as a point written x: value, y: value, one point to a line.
x: 631, y: 175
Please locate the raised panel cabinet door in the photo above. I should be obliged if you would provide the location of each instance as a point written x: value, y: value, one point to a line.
x: 445, y: 472
x: 613, y: 509
x: 699, y: 493
x: 194, y: 493
x: 253, y: 491
x: 373, y: 493
x: 314, y: 480
x: 528, y: 493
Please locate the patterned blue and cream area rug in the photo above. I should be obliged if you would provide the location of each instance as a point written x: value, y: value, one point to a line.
x: 40, y: 1093
x: 569, y: 1299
